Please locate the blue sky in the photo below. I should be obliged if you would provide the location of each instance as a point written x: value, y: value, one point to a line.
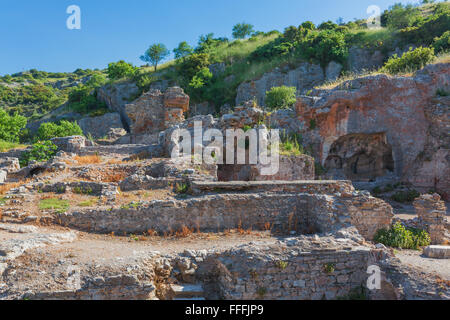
x: 34, y: 34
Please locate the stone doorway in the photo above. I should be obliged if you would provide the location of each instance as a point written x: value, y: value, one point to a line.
x: 360, y: 157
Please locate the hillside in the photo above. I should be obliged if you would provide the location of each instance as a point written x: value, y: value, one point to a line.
x: 218, y: 72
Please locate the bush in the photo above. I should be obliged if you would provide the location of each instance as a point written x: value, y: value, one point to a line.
x: 400, y: 237
x: 410, y: 61
x: 405, y: 196
x: 40, y: 151
x: 325, y: 46
x: 82, y: 100
x: 52, y: 130
x: 399, y: 16
x: 121, y: 69
x: 10, y: 126
x: 192, y: 64
x: 202, y: 78
x: 280, y: 97
x: 442, y: 43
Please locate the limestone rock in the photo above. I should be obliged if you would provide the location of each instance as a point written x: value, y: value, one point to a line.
x: 100, y: 127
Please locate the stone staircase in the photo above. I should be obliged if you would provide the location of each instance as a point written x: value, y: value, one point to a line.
x: 187, y: 292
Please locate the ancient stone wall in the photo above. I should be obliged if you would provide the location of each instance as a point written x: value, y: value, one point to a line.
x: 155, y: 111
x: 298, y: 273
x: 279, y: 211
x: 431, y: 211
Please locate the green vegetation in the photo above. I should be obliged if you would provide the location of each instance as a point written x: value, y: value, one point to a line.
x: 40, y: 151
x: 442, y: 43
x: 54, y: 204
x: 120, y: 70
x: 359, y: 293
x: 89, y: 203
x: 410, y: 61
x: 10, y: 126
x: 6, y: 146
x: 155, y: 54
x: 405, y: 196
x: 281, y: 97
x: 400, y: 237
x: 329, y: 268
x: 242, y: 30
x: 181, y: 188
x: 52, y: 130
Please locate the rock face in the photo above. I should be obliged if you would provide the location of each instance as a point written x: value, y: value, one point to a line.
x: 377, y: 124
x: 117, y: 96
x: 431, y: 211
x: 362, y: 59
x: 101, y: 126
x: 305, y: 77
x: 155, y: 111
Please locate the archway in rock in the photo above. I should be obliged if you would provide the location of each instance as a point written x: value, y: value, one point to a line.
x: 360, y: 157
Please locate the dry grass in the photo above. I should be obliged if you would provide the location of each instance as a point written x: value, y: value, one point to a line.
x: 116, y: 161
x: 442, y: 58
x: 114, y: 177
x: 12, y: 185
x: 94, y: 159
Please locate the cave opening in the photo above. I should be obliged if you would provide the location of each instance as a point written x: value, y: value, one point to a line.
x: 360, y: 157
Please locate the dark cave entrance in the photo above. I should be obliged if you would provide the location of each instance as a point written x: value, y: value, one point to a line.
x: 360, y: 157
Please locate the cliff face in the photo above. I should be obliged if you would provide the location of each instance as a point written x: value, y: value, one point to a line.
x: 375, y: 125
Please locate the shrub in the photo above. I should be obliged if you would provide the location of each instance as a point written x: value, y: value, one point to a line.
x: 40, y: 151
x: 192, y: 64
x: 442, y: 43
x: 52, y: 130
x: 120, y: 69
x: 10, y: 126
x: 400, y: 237
x: 6, y: 146
x: 281, y: 97
x: 325, y: 46
x: 201, y: 78
x: 405, y: 196
x: 410, y: 61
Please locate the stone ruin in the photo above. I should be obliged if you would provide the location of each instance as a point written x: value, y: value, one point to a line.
x: 318, y: 232
x: 431, y: 212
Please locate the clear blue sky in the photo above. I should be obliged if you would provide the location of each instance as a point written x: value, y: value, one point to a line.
x: 34, y: 35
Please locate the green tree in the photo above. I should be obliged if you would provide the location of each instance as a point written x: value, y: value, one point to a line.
x: 10, y: 126
x: 183, y: 50
x: 442, y: 43
x: 280, y: 97
x: 400, y: 16
x: 120, y: 69
x: 155, y: 54
x: 201, y: 79
x: 242, y: 30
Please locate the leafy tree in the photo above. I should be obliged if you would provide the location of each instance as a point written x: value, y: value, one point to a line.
x: 242, y: 30
x: 10, y: 126
x: 308, y: 25
x: 410, y: 61
x: 328, y: 25
x: 281, y: 97
x: 155, y: 54
x: 97, y: 80
x: 120, y: 69
x: 326, y: 46
x: 400, y: 16
x: 183, y: 50
x: 52, y: 130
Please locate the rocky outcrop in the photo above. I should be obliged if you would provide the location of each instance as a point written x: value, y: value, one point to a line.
x: 354, y: 127
x: 360, y: 59
x: 100, y: 127
x: 304, y: 78
x: 155, y: 111
x: 70, y: 144
x: 116, y: 96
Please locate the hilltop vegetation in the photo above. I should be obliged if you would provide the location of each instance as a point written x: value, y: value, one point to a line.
x: 34, y: 94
